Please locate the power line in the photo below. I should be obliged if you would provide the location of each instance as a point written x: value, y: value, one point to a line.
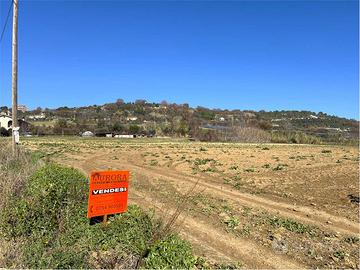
x: 7, y: 19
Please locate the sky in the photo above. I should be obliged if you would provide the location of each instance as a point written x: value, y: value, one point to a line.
x: 258, y: 55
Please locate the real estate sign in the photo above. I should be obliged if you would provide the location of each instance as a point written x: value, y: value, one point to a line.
x: 108, y: 193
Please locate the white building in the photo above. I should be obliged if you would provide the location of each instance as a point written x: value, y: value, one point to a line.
x: 131, y: 118
x: 22, y: 108
x: 37, y: 116
x: 124, y: 136
x: 5, y: 121
x: 87, y: 134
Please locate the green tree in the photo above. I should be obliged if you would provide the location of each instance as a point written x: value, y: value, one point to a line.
x: 118, y: 127
x: 134, y: 129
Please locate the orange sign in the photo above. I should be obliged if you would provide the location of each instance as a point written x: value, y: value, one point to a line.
x: 108, y: 193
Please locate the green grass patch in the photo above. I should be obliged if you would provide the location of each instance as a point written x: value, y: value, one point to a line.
x: 50, y: 215
x: 291, y: 225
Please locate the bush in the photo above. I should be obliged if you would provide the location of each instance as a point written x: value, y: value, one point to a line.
x: 49, y: 220
x: 294, y: 137
x: 172, y: 251
x: 4, y: 132
x: 233, y: 134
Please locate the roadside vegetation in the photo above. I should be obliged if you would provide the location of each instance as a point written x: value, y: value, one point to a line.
x: 43, y: 224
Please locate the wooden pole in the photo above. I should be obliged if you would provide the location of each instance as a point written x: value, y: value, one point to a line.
x: 14, y: 71
x: 105, y: 220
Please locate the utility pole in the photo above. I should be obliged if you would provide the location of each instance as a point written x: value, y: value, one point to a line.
x: 15, y: 132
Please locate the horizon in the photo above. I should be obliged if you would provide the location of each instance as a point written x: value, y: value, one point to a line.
x: 287, y: 55
x: 191, y: 106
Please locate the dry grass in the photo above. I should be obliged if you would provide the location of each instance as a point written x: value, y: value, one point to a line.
x: 14, y: 172
x: 169, y: 219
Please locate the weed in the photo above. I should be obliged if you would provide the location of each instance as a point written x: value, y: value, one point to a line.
x: 339, y: 254
x: 237, y: 177
x: 278, y: 168
x: 199, y: 161
x: 209, y: 169
x: 227, y: 180
x: 325, y: 151
x: 154, y: 162
x: 227, y: 208
x: 171, y: 249
x: 354, y: 198
x: 249, y: 170
x: 245, y: 230
x: 246, y: 211
x: 291, y: 225
x: 351, y: 239
x: 237, y: 185
x: 232, y: 223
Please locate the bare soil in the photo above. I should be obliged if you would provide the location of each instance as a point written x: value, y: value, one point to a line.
x: 263, y: 206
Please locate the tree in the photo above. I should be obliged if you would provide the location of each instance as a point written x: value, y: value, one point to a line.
x: 119, y: 101
x: 38, y: 110
x: 265, y: 125
x: 59, y: 126
x: 61, y: 123
x: 164, y: 103
x: 140, y: 102
x: 134, y: 129
x: 118, y: 127
x: 182, y: 128
x: 101, y: 123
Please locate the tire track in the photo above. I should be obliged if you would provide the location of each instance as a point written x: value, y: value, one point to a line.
x: 225, y: 246
x: 304, y: 214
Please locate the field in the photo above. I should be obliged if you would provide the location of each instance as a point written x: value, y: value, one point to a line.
x: 260, y: 206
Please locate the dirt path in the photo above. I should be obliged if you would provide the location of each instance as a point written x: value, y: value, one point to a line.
x: 224, y: 247
x: 205, y: 238
x: 304, y: 214
x: 208, y: 239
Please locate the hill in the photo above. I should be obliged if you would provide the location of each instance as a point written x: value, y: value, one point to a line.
x: 169, y: 119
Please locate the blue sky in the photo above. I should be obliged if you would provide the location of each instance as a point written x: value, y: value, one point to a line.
x: 271, y: 55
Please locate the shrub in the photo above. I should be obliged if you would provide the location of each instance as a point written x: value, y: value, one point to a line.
x: 291, y: 225
x: 294, y: 137
x: 172, y: 251
x: 50, y: 191
x: 49, y: 217
x: 4, y: 132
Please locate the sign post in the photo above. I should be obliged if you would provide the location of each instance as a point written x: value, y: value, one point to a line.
x: 108, y: 193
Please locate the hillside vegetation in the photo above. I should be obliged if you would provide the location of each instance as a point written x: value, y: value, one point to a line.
x: 179, y: 120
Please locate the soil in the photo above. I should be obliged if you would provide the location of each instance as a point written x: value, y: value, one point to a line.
x: 262, y: 206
